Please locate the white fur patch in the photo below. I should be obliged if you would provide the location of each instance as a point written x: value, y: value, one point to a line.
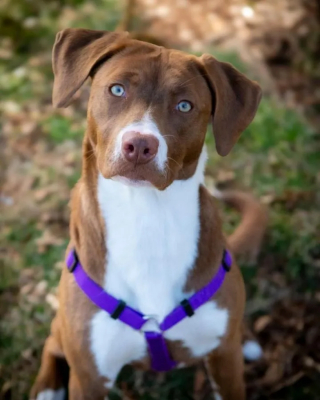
x: 131, y: 182
x: 152, y: 243
x: 202, y: 332
x: 50, y: 394
x: 146, y: 126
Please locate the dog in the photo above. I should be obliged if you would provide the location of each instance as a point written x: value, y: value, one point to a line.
x: 149, y: 278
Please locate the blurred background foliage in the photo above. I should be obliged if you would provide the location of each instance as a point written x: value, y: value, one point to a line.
x: 277, y: 158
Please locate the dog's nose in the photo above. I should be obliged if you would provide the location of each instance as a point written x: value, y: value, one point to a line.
x: 138, y: 148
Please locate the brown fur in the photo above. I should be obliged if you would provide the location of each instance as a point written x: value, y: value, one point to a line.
x: 247, y: 238
x: 168, y: 76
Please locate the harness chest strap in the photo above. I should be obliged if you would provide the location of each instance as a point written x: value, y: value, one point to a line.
x: 118, y: 309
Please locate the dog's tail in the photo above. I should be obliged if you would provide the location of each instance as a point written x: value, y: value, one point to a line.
x: 246, y: 239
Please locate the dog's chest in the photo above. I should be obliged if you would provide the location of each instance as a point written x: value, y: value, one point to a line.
x: 152, y: 241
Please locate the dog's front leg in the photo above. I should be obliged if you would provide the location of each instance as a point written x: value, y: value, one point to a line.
x: 52, y: 377
x: 225, y: 369
x: 83, y: 389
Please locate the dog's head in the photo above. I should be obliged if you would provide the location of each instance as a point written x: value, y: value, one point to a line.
x: 149, y: 106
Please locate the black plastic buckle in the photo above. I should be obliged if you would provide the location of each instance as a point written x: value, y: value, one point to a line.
x: 226, y: 267
x: 118, y: 310
x: 187, y: 307
x: 75, y: 262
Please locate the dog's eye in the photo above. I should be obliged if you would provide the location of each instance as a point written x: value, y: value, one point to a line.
x: 117, y: 90
x: 184, y: 106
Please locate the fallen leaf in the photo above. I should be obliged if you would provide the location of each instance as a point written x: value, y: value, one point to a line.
x: 53, y: 301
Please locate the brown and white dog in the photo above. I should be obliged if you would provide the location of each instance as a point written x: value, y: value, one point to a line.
x: 143, y: 224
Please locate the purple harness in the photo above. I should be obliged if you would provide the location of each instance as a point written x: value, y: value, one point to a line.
x: 118, y: 309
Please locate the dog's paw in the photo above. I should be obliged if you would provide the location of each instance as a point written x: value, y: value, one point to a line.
x: 50, y: 394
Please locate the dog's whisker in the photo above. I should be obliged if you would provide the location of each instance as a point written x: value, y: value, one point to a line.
x: 188, y: 80
x: 170, y: 136
x: 167, y: 170
x: 88, y: 158
x: 172, y: 159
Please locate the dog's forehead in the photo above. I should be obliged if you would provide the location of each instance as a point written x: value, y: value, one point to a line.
x: 150, y: 63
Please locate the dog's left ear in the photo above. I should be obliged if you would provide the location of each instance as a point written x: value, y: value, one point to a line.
x: 234, y: 103
x: 75, y: 53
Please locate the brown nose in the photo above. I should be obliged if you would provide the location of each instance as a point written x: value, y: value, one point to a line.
x: 138, y: 148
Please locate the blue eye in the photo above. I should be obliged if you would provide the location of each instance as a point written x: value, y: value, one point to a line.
x: 117, y: 90
x: 184, y: 106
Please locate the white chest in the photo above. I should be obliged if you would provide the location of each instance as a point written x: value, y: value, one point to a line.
x: 152, y: 241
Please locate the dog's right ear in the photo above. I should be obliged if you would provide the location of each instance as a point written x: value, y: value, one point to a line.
x: 75, y: 53
x: 235, y: 100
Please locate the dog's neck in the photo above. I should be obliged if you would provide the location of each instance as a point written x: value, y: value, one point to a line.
x: 151, y: 238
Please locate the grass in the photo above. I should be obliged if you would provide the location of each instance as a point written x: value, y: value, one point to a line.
x: 59, y: 129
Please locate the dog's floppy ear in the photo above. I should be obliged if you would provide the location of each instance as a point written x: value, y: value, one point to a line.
x: 75, y: 53
x: 234, y: 104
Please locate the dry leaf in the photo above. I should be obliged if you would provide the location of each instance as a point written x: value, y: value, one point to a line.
x: 40, y: 288
x: 53, y: 301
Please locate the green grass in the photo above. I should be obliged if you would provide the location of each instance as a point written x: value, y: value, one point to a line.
x: 59, y: 129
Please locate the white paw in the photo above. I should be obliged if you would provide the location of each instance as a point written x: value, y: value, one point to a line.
x: 50, y: 394
x: 252, y: 351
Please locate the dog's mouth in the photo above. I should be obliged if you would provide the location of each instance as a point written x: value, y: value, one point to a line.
x: 147, y: 175
x: 141, y: 177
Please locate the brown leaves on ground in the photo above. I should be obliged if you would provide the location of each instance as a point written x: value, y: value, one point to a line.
x: 290, y: 337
